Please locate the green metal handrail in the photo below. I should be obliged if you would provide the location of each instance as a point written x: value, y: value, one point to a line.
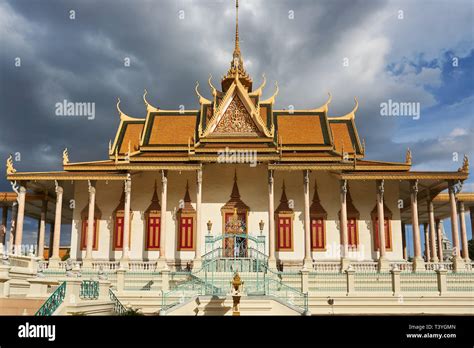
x: 53, y: 301
x: 89, y: 290
x: 119, y: 308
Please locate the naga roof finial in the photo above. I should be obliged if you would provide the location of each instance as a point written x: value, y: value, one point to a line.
x: 408, y: 157
x: 65, y: 157
x: 10, y: 168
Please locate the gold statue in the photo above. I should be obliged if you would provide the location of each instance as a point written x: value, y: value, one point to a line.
x: 465, y: 165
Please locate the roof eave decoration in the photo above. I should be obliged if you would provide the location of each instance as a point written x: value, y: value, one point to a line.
x: 259, y: 90
x: 10, y: 169
x: 408, y: 158
x: 465, y: 165
x: 271, y: 100
x: 65, y: 157
x: 202, y: 100
x: 149, y: 107
x: 325, y: 106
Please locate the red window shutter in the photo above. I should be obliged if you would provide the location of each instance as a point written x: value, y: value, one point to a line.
x: 318, y: 240
x: 352, y: 232
x: 118, y: 232
x: 284, y: 233
x: 85, y: 225
x: 154, y: 228
x: 186, y: 233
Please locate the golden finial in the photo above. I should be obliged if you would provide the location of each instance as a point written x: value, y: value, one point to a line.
x: 214, y: 91
x: 110, y: 146
x: 65, y: 157
x: 408, y: 157
x: 259, y: 90
x: 10, y: 168
x: 149, y: 107
x: 202, y: 100
x: 237, y: 44
x: 465, y: 165
x: 271, y: 100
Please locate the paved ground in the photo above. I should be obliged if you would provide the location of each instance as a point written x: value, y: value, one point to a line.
x: 19, y: 306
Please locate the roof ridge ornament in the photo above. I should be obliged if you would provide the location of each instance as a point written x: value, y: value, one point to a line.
x: 324, y: 107
x: 10, y: 168
x: 271, y: 100
x: 214, y: 90
x: 408, y: 158
x: 465, y: 165
x: 124, y: 116
x: 202, y: 100
x: 149, y: 107
x: 348, y: 116
x: 65, y: 157
x: 259, y: 90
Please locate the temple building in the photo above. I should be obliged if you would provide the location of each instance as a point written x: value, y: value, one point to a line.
x: 294, y: 181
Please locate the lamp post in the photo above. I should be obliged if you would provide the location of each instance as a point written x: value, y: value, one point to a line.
x: 209, y: 227
x: 261, y: 224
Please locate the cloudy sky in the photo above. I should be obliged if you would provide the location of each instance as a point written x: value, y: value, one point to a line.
x: 404, y: 51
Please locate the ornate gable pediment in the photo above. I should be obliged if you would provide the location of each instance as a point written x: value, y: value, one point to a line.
x: 236, y: 115
x: 236, y: 119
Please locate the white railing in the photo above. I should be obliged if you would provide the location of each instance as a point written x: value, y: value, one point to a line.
x: 105, y: 265
x: 365, y: 266
x: 402, y: 265
x: 142, y: 265
x: 433, y: 266
x: 331, y: 266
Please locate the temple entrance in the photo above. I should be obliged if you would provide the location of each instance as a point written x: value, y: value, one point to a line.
x: 235, y: 245
x: 234, y: 225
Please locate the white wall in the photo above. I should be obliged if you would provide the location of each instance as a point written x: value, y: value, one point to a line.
x: 217, y: 187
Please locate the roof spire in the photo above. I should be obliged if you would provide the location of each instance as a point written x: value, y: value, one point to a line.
x: 237, y: 44
x: 237, y: 70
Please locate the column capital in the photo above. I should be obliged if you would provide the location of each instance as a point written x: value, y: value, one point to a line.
x: 414, y: 187
x: 344, y: 186
x: 164, y: 176
x: 199, y: 176
x: 127, y: 185
x: 381, y: 188
x: 57, y: 187
x: 91, y: 186
x: 306, y: 176
x: 270, y: 176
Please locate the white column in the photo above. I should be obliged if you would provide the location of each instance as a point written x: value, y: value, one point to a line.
x: 126, y: 221
x: 164, y: 198
x: 11, y: 237
x: 197, y: 255
x: 42, y: 228
x: 465, y: 250
x: 383, y: 264
x: 434, y: 256
x: 418, y: 263
x: 54, y: 261
x: 3, y: 228
x: 454, y: 225
x: 381, y: 218
x: 439, y: 228
x: 427, y: 242
x: 271, y: 222
x: 90, y: 222
x: 20, y: 219
x: 308, y: 261
x: 404, y: 241
x: 343, y: 221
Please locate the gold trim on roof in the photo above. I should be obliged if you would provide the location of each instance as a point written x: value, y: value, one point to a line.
x: 65, y: 157
x: 271, y: 100
x: 149, y: 107
x: 325, y: 106
x: 202, y: 100
x: 348, y: 116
